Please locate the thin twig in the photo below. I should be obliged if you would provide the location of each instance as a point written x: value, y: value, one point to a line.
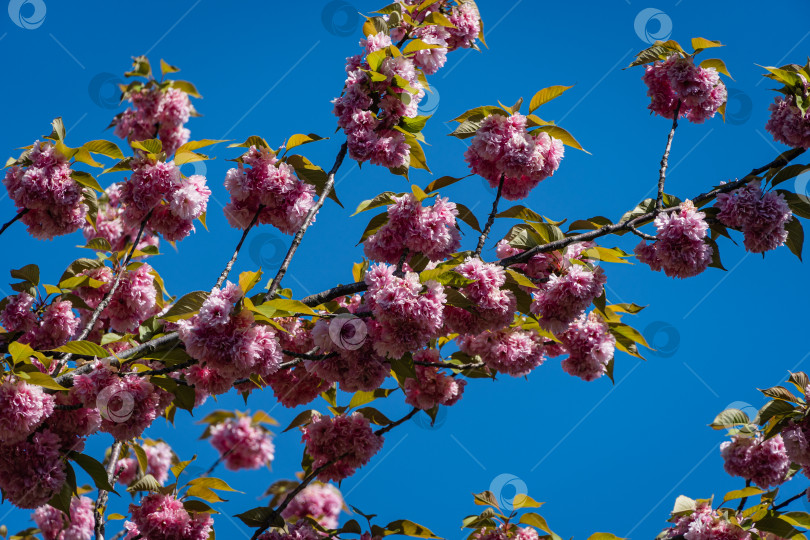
x: 490, y: 220
x: 662, y: 176
x: 392, y: 425
x: 744, y: 499
x: 643, y: 235
x: 224, y: 275
x: 471, y: 365
x: 115, y: 452
x: 790, y: 500
x: 299, y: 236
x: 19, y: 214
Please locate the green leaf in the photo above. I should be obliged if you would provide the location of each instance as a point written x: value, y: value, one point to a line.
x: 61, y: 500
x: 652, y: 54
x: 535, y: 520
x: 559, y: 133
x: 167, y: 68
x: 99, y: 244
x: 86, y: 348
x: 795, y: 238
x: 703, y: 43
x: 730, y: 418
x: 105, y: 148
x: 466, y: 215
x: 304, y: 417
x: 444, y: 181
x: 204, y: 493
x: 191, y: 146
x: 776, y: 525
x: 298, y: 139
x: 152, y: 146
x: 140, y: 453
x: 604, y: 536
x: 95, y: 469
x: 257, y: 517
x: 253, y: 140
x: 40, y: 379
x: 684, y: 504
x: 409, y: 528
x: 545, y: 95
x: 58, y: 132
x: 480, y: 113
x: 186, y: 306
x: 186, y: 87
x: 717, y: 64
x: 418, y: 159
x: 415, y: 124
x: 140, y: 68
x: 123, y: 165
x: 741, y: 493
x: 374, y: 416
x: 247, y: 280
x: 29, y: 272
x: 361, y: 398
x: 286, y: 304
x: 521, y: 212
x: 522, y: 500
x: 383, y: 199
x: 212, y: 483
x: 468, y: 127
x: 312, y: 174
x: 416, y: 45
x: 520, y: 279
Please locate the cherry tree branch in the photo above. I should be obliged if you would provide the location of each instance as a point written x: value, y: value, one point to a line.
x: 115, y: 452
x: 662, y: 175
x: 299, y: 236
x: 790, y: 500
x: 224, y: 275
x: 490, y: 220
x: 19, y: 214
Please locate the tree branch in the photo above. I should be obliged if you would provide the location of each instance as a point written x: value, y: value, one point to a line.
x: 790, y: 500
x: 224, y: 275
x: 662, y: 176
x: 19, y: 214
x: 115, y: 452
x: 490, y: 220
x: 299, y: 236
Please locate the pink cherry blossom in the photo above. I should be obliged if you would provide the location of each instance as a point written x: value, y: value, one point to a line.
x: 788, y: 124
x: 589, y: 346
x: 565, y: 297
x: 347, y: 439
x: 242, y: 445
x: 431, y: 387
x: 163, y: 517
x: 513, y: 351
x: 321, y: 502
x: 760, y: 216
x: 699, y: 90
x: 80, y: 524
x: 763, y: 462
x: 23, y: 407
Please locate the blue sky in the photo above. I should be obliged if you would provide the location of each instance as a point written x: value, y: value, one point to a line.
x: 603, y: 457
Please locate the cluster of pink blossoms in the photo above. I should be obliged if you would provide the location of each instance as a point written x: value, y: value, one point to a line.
x: 285, y: 200
x: 705, y: 524
x: 763, y: 462
x: 158, y: 187
x: 796, y: 437
x: 680, y: 250
x: 512, y: 351
x: 298, y: 531
x: 295, y: 385
x: 760, y: 216
x: 128, y: 404
x: 566, y: 296
x: 53, y: 201
x: 44, y: 472
x: 699, y: 90
x: 490, y: 307
x: 23, y: 407
x: 51, y: 522
x: 405, y: 319
x: 241, y: 444
x: 227, y: 344
x: 134, y: 300
x: 503, y: 148
x: 347, y: 439
x: 428, y: 230
x: 163, y: 517
x: 111, y: 226
x: 321, y: 502
x: 158, y: 462
x: 505, y: 533
x: 589, y: 346
x: 539, y: 267
x: 788, y: 124
x: 154, y: 114
x: 52, y: 328
x: 431, y: 387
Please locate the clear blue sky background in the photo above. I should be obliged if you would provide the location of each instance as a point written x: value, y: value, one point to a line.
x: 604, y: 457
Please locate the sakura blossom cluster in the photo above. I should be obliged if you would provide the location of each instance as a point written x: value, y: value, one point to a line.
x: 226, y: 343
x: 539, y: 267
x: 163, y: 517
x: 491, y: 307
x: 589, y: 346
x: 346, y: 440
x: 428, y: 230
x: 566, y: 296
x: 43, y: 329
x: 680, y: 250
x: 241, y: 444
x: 297, y: 531
x: 133, y: 302
x: 23, y: 407
x: 156, y: 113
x: 505, y: 532
x: 466, y: 27
x: 677, y: 80
x: 111, y: 226
x: 158, y: 462
x: 513, y: 351
x: 128, y: 403
x: 80, y: 523
x: 760, y: 216
x: 431, y: 387
x: 321, y: 502
x: 503, y: 149
x: 158, y: 187
x: 796, y: 437
x: 43, y: 188
x: 788, y: 124
x: 295, y: 385
x: 405, y: 318
x: 763, y: 462
x: 263, y: 182
x: 706, y: 524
